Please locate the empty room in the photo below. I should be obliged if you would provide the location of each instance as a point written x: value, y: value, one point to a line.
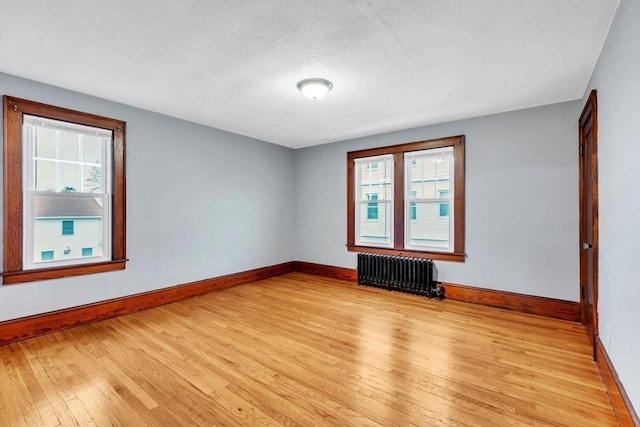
x: 433, y: 218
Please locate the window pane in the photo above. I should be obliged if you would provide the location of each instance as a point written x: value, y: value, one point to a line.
x: 69, y: 146
x: 68, y: 157
x: 444, y: 167
x: 45, y: 143
x: 67, y: 226
x: 372, y: 208
x: 372, y: 211
x: 93, y: 179
x: 69, y: 177
x: 444, y: 209
x: 430, y: 229
x: 432, y: 174
x: 92, y: 149
x: 45, y: 175
x: 378, y: 229
x: 376, y: 177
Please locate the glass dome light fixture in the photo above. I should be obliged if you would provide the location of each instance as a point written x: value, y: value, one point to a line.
x: 315, y: 88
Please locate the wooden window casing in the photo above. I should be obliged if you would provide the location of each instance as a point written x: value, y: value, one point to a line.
x: 13, y: 227
x: 398, y: 151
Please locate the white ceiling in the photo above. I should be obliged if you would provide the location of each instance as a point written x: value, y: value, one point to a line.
x: 234, y: 64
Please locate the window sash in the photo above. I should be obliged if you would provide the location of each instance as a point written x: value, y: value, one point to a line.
x: 29, y: 259
x: 29, y: 128
x: 410, y: 160
x: 383, y: 204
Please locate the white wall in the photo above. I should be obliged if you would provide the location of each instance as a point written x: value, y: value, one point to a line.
x: 617, y: 79
x: 521, y: 200
x: 201, y: 203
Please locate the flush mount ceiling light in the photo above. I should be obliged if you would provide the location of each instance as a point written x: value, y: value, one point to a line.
x: 315, y: 88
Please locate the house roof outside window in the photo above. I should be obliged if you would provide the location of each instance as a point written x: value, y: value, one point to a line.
x: 70, y: 207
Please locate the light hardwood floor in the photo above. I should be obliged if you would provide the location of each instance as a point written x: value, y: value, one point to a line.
x: 303, y: 350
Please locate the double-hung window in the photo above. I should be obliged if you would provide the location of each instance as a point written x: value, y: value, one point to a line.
x: 65, y: 187
x: 432, y: 176
x: 419, y: 207
x: 374, y: 198
x: 63, y: 192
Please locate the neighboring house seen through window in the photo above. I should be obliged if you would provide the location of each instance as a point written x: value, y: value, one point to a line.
x: 69, y: 205
x: 419, y: 207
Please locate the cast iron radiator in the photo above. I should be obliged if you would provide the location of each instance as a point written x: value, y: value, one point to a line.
x: 395, y: 273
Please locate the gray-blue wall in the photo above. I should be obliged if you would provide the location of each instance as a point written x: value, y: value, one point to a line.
x: 521, y: 204
x: 617, y: 80
x: 201, y: 203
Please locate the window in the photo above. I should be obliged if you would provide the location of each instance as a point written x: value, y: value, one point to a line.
x: 64, y: 187
x: 419, y: 204
x: 67, y: 228
x: 87, y: 251
x: 372, y: 208
x: 444, y: 207
x: 414, y: 195
x: 374, y: 218
x: 414, y: 213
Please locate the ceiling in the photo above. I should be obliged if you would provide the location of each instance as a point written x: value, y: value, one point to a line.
x: 234, y: 64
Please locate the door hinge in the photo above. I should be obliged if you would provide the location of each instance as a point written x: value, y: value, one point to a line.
x: 581, y: 150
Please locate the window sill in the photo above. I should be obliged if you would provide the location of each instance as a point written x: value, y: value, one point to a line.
x: 10, y: 278
x: 439, y: 256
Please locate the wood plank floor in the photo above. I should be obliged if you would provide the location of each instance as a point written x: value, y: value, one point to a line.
x: 303, y: 350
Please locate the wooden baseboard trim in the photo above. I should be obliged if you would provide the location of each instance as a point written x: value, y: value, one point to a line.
x: 541, y: 306
x: 617, y: 394
x: 548, y: 307
x: 330, y: 271
x: 33, y: 326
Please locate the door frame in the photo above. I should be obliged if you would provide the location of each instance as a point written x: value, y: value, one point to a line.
x: 589, y: 112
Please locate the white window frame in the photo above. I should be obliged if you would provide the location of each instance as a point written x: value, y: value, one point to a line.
x: 408, y: 157
x: 29, y: 192
x: 360, y: 165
